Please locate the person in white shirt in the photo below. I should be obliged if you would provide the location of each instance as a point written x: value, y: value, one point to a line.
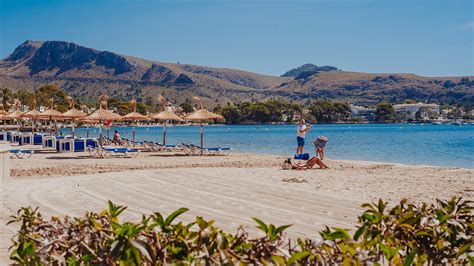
x: 300, y: 136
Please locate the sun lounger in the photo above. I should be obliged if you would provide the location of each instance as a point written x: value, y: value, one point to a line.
x: 191, y: 149
x: 37, y: 139
x: 224, y: 151
x: 102, y: 152
x: 155, y: 146
x: 21, y: 154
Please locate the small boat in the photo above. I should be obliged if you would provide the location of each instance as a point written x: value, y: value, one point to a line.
x: 436, y: 123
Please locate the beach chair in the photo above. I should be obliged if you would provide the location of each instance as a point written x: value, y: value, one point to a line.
x: 189, y: 149
x: 15, y: 137
x: 37, y: 139
x: 21, y: 154
x: 65, y: 145
x: 49, y: 142
x: 26, y: 139
x: 150, y: 146
x: 95, y: 151
x: 222, y: 151
x: 102, y: 152
x: 126, y: 152
x: 131, y: 144
x: 169, y: 147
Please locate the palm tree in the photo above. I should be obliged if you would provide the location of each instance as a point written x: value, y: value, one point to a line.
x: 6, y: 96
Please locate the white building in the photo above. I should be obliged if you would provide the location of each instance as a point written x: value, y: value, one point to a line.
x: 363, y: 112
x: 410, y: 109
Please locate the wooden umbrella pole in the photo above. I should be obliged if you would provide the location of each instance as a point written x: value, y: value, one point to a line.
x: 133, y: 132
x: 72, y: 128
x: 202, y: 138
x: 164, y: 134
x: 100, y: 133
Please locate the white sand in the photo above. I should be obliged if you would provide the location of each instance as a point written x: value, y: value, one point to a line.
x: 230, y: 190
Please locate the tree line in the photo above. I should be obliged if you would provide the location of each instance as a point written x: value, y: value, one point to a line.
x: 319, y: 111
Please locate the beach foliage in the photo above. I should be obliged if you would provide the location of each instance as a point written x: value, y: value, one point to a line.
x: 408, y: 234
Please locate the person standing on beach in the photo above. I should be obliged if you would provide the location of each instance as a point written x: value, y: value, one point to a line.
x: 300, y: 136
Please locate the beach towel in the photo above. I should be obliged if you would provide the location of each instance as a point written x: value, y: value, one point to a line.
x: 304, y: 156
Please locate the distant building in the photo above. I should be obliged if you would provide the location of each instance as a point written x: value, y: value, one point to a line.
x: 408, y: 110
x: 363, y: 112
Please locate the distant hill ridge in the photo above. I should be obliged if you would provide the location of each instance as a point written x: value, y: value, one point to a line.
x: 86, y: 72
x: 307, y: 70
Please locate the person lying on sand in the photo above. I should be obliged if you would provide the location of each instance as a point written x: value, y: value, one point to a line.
x: 288, y: 165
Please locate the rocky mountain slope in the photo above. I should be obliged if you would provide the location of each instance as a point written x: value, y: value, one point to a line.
x: 86, y: 73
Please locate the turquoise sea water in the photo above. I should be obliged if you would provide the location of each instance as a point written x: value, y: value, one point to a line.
x: 439, y: 145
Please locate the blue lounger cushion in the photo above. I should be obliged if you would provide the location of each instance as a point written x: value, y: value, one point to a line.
x: 121, y: 150
x: 21, y: 151
x: 37, y: 139
x: 218, y: 149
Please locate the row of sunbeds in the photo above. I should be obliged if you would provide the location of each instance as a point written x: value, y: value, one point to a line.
x: 127, y: 148
x: 188, y: 149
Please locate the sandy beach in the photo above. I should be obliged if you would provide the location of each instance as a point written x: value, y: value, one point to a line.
x: 229, y: 189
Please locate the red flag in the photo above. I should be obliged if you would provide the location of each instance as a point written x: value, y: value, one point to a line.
x: 108, y: 123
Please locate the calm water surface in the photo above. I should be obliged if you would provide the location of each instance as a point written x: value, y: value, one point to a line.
x: 438, y: 145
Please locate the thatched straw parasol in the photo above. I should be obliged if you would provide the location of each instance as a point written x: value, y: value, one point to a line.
x: 166, y: 115
x: 3, y: 114
x: 15, y: 115
x: 32, y: 114
x: 50, y: 115
x: 100, y: 115
x: 202, y: 115
x: 73, y: 114
x: 134, y: 116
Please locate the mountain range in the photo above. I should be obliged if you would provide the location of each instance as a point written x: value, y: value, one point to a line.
x: 86, y: 73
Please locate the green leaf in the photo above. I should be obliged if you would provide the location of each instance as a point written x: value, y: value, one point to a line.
x: 282, y: 228
x: 158, y: 218
x: 298, y: 256
x: 410, y: 258
x: 175, y: 214
x: 278, y: 260
x: 261, y: 225
x: 359, y: 232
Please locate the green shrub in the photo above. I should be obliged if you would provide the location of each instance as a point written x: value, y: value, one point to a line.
x: 404, y: 234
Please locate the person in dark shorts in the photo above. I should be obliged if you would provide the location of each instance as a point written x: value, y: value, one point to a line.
x: 300, y: 136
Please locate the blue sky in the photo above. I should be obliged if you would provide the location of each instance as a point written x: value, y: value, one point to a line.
x: 432, y: 38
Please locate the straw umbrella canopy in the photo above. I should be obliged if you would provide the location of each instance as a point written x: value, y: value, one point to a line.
x: 73, y: 114
x: 134, y: 116
x: 3, y: 114
x: 166, y: 115
x: 101, y: 115
x: 201, y: 115
x: 51, y: 114
x: 32, y: 114
x: 15, y: 115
